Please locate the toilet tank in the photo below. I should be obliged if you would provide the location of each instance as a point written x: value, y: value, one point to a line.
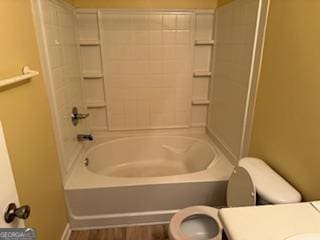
x: 271, y: 188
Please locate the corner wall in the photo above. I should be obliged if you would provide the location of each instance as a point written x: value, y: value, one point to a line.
x: 231, y: 83
x: 25, y: 114
x: 286, y: 130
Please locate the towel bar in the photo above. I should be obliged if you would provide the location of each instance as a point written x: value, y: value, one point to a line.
x: 27, y: 73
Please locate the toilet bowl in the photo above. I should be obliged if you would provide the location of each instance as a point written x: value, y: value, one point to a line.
x: 252, y: 181
x: 202, y: 222
x: 196, y: 223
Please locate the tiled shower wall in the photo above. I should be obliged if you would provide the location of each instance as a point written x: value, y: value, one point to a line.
x: 63, y: 70
x: 148, y: 69
x: 235, y: 35
x: 153, y: 70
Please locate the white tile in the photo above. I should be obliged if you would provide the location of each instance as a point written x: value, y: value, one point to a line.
x: 88, y: 26
x: 127, y: 52
x: 60, y: 97
x: 70, y: 54
x: 139, y: 67
x: 94, y: 90
x: 155, y: 22
x: 199, y: 115
x: 139, y: 22
x: 91, y: 59
x: 66, y: 19
x: 202, y: 56
x: 58, y: 78
x: 200, y: 88
x: 116, y: 108
x: 117, y: 121
x: 140, y: 52
x: 183, y: 52
x: 155, y: 37
x: 172, y: 66
x: 52, y: 34
x: 141, y: 37
x: 169, y: 37
x: 181, y: 106
x: 49, y: 12
x: 169, y: 52
x: 67, y: 36
x: 97, y: 118
x: 183, y: 37
x: 156, y: 52
x: 55, y: 56
x: 156, y: 67
x: 123, y: 37
x: 204, y: 26
x: 184, y: 22
x: 169, y: 22
x: 181, y: 118
x: 123, y: 22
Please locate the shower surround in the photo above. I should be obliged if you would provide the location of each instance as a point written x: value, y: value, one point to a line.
x: 141, y: 67
x: 147, y: 78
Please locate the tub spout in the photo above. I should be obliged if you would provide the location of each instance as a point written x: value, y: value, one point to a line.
x: 84, y: 137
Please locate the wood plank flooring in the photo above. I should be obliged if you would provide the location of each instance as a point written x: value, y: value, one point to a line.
x: 150, y: 232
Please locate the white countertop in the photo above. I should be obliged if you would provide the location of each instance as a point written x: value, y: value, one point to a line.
x: 270, y: 222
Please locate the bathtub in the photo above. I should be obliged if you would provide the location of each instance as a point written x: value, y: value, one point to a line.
x: 146, y: 179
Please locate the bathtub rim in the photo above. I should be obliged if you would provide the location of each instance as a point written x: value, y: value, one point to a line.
x: 213, y: 161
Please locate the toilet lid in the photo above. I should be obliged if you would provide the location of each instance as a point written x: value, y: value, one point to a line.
x: 241, y: 190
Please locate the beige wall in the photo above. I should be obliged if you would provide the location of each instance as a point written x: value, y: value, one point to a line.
x: 69, y: 1
x: 286, y: 129
x: 145, y: 3
x: 24, y: 111
x: 223, y: 2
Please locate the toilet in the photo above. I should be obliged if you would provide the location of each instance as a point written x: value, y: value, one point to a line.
x: 252, y: 183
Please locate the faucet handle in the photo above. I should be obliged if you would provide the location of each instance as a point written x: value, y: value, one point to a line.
x: 76, y: 116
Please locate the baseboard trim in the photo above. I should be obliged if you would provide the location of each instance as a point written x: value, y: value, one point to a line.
x: 66, y: 233
x: 120, y: 226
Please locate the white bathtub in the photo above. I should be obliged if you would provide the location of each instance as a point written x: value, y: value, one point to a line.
x: 138, y: 180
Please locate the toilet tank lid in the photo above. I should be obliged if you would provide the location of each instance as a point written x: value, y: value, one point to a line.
x: 270, y: 186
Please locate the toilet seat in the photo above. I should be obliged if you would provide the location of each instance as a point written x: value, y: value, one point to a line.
x: 241, y: 191
x: 177, y: 220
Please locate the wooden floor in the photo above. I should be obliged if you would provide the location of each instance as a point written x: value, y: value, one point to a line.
x: 151, y: 232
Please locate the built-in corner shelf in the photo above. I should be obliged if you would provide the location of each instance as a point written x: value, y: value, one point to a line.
x: 99, y: 104
x: 87, y: 75
x: 89, y: 42
x: 200, y: 102
x: 202, y: 74
x: 204, y: 42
